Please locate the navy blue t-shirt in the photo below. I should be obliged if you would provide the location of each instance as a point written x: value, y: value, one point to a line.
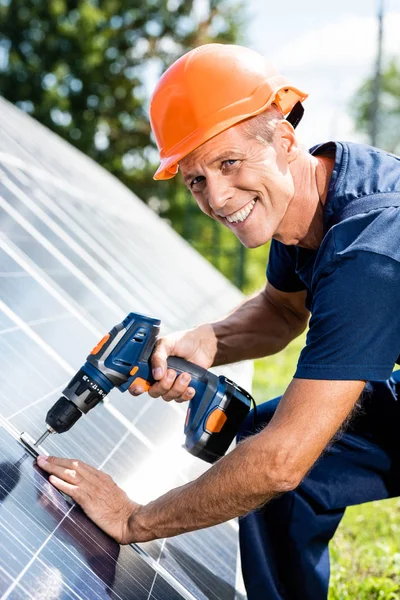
x: 353, y: 279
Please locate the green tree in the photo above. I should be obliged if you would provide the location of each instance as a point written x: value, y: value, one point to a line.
x: 389, y: 107
x: 85, y: 70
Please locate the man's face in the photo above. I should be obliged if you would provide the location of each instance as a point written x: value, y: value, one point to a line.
x: 243, y: 183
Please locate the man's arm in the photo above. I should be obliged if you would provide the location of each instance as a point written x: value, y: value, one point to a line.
x: 262, y: 325
x: 263, y: 466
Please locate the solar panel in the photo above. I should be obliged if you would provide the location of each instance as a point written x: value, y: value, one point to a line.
x: 78, y: 251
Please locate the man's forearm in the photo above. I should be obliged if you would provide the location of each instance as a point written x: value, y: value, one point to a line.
x: 257, y: 328
x: 237, y: 484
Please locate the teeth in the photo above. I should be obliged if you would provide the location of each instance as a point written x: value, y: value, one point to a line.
x: 242, y: 214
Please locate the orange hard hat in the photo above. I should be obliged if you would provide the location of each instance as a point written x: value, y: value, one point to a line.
x: 208, y: 90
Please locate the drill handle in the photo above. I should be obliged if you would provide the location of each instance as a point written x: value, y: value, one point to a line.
x: 180, y: 365
x: 200, y: 378
x: 202, y: 381
x: 142, y: 374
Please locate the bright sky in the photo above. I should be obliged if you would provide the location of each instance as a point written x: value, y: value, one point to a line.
x: 325, y: 49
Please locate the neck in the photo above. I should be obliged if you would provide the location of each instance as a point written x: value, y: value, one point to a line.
x: 303, y: 222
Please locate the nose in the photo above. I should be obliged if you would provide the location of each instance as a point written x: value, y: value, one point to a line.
x: 219, y: 192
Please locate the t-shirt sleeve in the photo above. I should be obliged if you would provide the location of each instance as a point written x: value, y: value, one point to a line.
x: 281, y: 270
x: 354, y: 330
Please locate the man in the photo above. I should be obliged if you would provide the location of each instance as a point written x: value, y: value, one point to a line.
x: 333, y: 217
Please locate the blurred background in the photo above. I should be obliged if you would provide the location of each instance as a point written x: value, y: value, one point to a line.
x: 86, y: 69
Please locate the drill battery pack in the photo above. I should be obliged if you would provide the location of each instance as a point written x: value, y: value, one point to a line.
x: 213, y: 421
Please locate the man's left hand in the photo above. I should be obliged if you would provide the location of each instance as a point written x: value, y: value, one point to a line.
x: 96, y: 492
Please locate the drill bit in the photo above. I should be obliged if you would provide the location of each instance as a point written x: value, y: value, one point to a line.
x: 30, y: 445
x: 42, y: 437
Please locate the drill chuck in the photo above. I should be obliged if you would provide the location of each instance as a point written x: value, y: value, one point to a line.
x: 81, y: 394
x: 62, y: 415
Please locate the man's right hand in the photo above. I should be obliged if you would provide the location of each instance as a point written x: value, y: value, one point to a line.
x: 198, y: 345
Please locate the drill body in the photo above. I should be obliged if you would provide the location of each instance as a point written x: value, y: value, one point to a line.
x: 122, y: 357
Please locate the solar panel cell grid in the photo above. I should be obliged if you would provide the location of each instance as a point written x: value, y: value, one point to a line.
x: 48, y: 544
x: 78, y: 252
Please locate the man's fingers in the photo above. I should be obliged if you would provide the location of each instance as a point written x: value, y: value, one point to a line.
x: 159, y: 372
x: 187, y: 395
x: 98, y: 495
x: 164, y: 385
x: 159, y: 360
x: 67, y: 472
x: 63, y: 486
x: 167, y: 385
x: 71, y: 463
x: 179, y: 387
x: 51, y: 464
x: 68, y: 463
x: 171, y: 387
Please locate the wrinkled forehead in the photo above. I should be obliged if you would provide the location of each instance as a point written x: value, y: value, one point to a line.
x: 217, y: 148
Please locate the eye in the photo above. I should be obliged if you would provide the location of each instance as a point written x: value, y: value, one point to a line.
x: 230, y: 162
x: 196, y: 181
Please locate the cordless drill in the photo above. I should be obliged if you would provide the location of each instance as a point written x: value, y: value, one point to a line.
x: 123, y: 357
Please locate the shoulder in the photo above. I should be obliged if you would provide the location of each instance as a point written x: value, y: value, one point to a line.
x: 370, y: 171
x: 376, y: 231
x: 362, y: 171
x: 366, y: 239
x: 362, y: 210
x: 359, y: 171
x: 355, y: 325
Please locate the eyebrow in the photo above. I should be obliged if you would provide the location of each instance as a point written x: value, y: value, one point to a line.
x: 189, y: 176
x: 219, y: 158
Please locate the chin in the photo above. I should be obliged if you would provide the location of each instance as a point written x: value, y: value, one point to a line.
x: 251, y: 245
x: 255, y: 242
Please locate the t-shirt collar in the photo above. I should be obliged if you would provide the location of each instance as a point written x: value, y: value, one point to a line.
x: 336, y: 150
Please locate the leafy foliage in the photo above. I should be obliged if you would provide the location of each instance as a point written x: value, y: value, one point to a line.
x: 389, y: 107
x: 365, y: 553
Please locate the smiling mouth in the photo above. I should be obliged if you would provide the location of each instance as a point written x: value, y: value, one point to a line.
x: 242, y: 214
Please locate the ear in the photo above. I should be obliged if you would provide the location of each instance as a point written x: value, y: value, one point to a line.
x: 285, y: 139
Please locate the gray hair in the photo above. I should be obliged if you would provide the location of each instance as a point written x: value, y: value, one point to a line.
x: 262, y: 127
